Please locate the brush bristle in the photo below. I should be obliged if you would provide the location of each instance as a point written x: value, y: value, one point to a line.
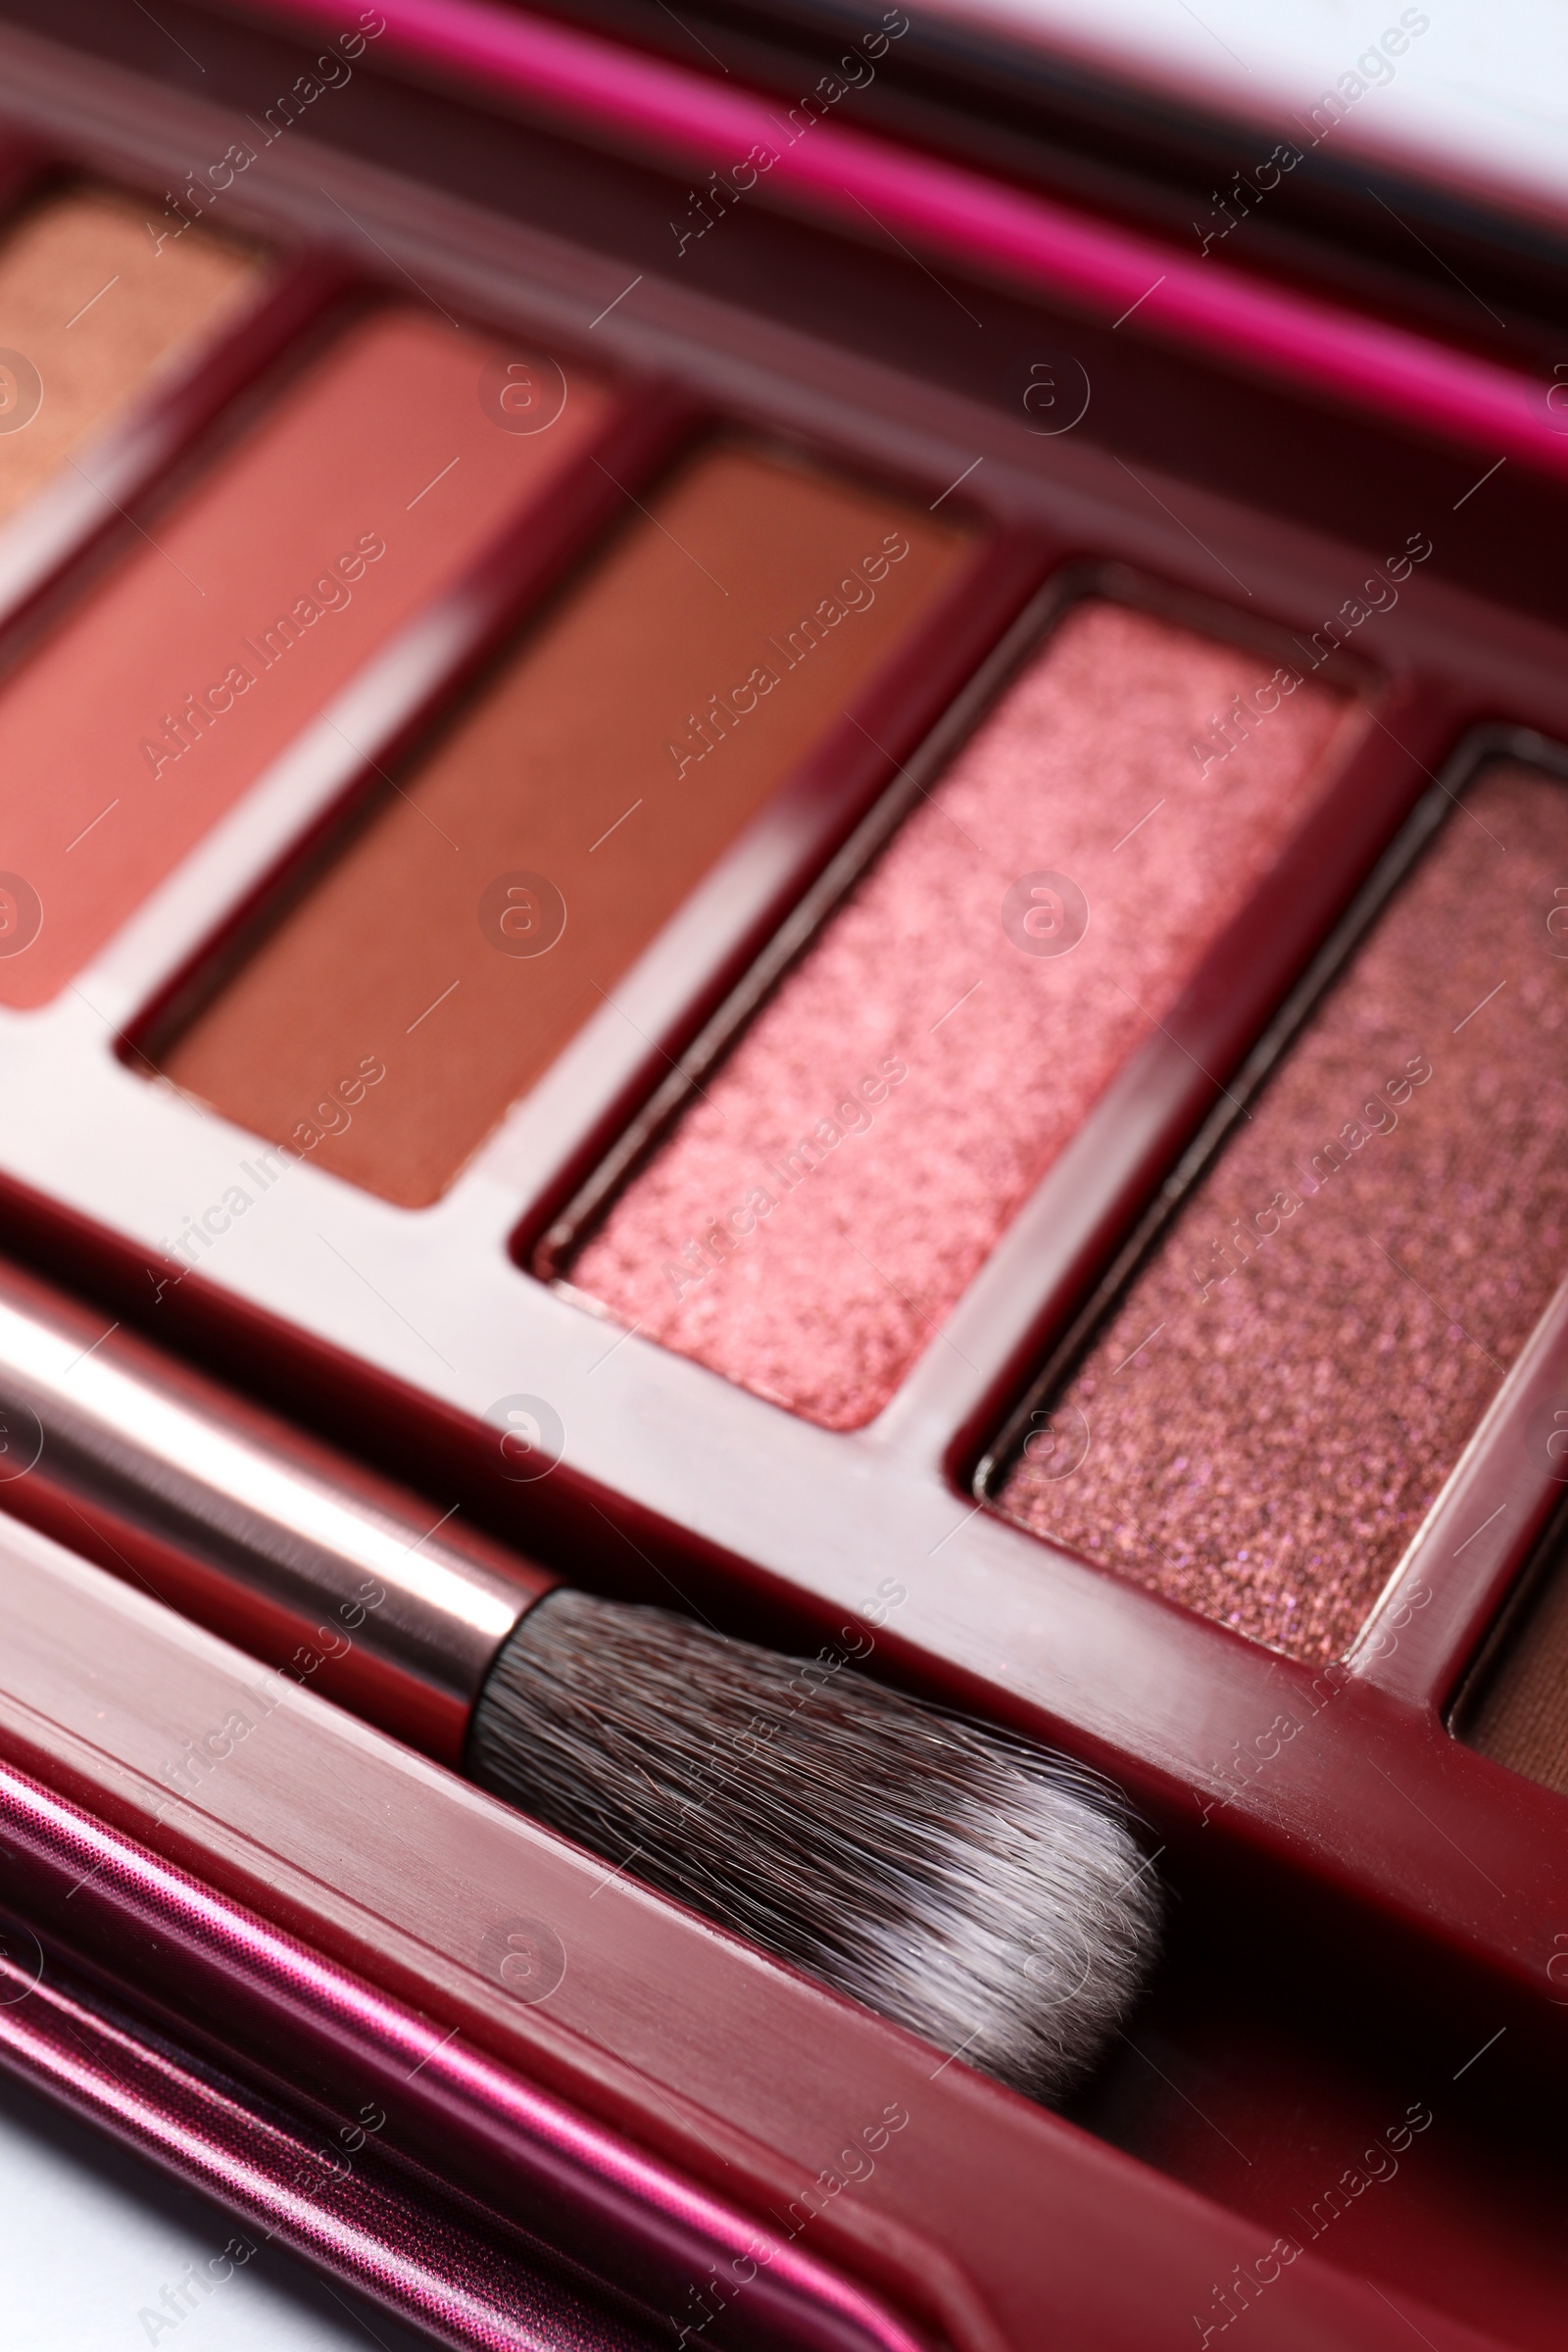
x: 968, y: 1884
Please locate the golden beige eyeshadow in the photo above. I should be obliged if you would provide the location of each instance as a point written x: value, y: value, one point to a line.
x: 92, y: 309
x: 511, y: 882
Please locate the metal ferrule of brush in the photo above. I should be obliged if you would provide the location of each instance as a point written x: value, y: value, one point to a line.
x: 230, y: 1516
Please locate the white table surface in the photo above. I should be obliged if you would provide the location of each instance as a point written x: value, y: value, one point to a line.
x: 90, y: 2236
x: 1479, y: 98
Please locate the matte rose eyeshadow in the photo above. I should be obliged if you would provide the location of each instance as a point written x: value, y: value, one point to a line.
x: 512, y: 881
x: 1280, y: 1395
x: 815, y: 1216
x: 93, y: 310
x: 374, y: 478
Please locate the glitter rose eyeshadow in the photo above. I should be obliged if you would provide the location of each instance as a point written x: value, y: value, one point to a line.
x: 815, y: 1215
x: 1276, y: 1400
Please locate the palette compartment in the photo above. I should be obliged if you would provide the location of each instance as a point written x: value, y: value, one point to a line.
x: 676, y: 2092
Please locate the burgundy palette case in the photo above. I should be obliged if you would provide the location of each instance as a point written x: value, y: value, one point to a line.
x: 759, y: 854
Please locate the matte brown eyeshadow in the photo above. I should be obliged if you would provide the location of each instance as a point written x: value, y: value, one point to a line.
x: 511, y: 882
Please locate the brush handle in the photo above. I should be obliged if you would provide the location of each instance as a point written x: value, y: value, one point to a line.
x: 320, y: 1570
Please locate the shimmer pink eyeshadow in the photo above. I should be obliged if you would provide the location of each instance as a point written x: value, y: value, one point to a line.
x: 813, y: 1218
x: 1276, y: 1402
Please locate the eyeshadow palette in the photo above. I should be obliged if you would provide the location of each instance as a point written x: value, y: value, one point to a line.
x: 644, y: 888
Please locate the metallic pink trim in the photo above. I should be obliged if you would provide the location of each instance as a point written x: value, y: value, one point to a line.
x: 478, y: 2293
x: 246, y: 1952
x: 1291, y: 339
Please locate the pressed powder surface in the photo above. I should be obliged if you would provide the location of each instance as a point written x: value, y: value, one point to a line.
x: 580, y: 784
x: 1522, y: 1717
x: 818, y: 1211
x: 96, y: 309
x: 374, y: 478
x: 1375, y: 1243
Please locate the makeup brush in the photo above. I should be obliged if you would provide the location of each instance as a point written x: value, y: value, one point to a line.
x: 963, y: 1880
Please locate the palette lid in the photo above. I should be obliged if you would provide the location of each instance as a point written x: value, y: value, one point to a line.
x: 1432, y: 157
x: 1472, y: 101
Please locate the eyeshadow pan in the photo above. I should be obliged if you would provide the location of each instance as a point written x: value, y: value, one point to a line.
x: 572, y: 808
x: 1520, y: 1717
x: 817, y: 1213
x: 95, y: 309
x: 1278, y: 1398
x: 374, y: 479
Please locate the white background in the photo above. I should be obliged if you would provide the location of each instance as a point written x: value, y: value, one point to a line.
x: 89, y: 2235
x: 1478, y: 98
